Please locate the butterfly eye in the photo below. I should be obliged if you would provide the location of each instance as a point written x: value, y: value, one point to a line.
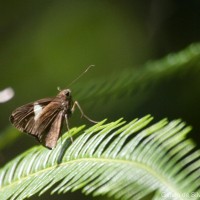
x: 67, y: 94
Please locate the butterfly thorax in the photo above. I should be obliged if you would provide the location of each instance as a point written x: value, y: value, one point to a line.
x: 66, y: 101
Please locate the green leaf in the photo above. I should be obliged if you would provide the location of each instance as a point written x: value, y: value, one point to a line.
x: 118, y: 159
x: 143, y: 78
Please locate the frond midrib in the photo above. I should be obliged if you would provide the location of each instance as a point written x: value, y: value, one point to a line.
x: 136, y: 164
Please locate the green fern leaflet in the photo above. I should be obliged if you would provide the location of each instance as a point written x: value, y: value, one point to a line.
x: 118, y: 159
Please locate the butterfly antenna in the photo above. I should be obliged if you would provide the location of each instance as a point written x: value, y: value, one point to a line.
x: 81, y: 75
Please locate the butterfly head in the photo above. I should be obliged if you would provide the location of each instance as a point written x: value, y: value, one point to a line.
x: 65, y: 94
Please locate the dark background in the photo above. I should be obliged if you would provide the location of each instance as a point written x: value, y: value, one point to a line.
x: 45, y: 44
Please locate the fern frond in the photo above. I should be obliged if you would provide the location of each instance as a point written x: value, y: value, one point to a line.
x: 126, y: 161
x: 143, y: 78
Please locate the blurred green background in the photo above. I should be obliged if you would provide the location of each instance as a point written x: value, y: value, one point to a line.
x: 45, y: 44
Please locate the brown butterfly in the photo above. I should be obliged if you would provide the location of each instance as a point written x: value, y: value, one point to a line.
x: 44, y: 118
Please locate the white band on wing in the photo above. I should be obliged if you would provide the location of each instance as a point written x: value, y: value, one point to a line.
x: 37, y: 110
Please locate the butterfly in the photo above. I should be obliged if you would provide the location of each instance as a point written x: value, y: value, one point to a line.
x: 44, y: 118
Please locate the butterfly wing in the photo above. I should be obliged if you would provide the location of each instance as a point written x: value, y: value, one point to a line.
x: 46, y: 118
x: 50, y: 139
x: 41, y: 119
x: 23, y: 116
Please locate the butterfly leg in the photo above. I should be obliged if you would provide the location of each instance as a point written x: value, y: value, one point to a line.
x: 67, y: 123
x: 82, y: 113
